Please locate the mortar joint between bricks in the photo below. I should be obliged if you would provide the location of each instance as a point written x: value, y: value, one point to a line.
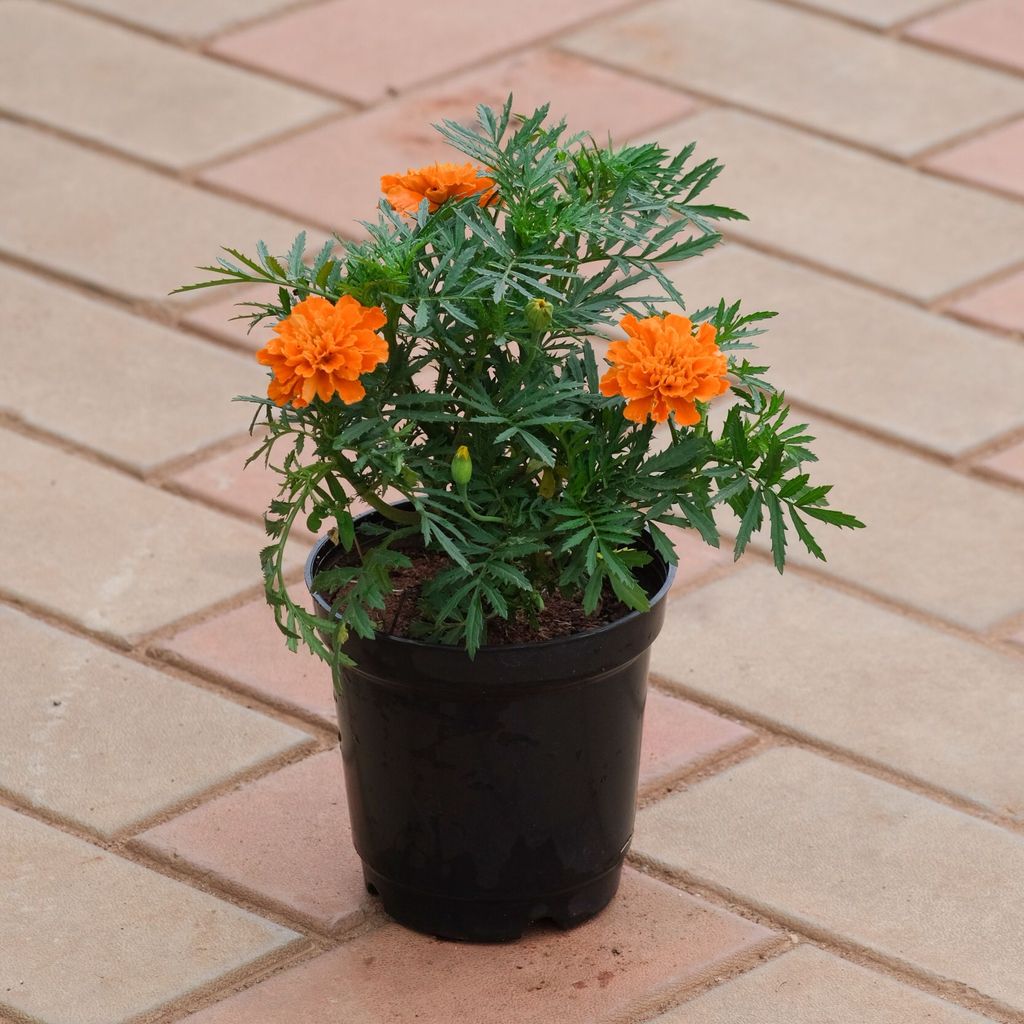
x: 768, y: 917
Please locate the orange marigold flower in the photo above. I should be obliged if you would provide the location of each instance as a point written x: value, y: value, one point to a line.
x: 437, y: 183
x: 321, y: 349
x: 665, y: 368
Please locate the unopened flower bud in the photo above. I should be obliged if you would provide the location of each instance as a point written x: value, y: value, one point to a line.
x: 538, y: 314
x: 462, y: 466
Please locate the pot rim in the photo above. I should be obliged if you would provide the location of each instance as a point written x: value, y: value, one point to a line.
x: 318, y: 552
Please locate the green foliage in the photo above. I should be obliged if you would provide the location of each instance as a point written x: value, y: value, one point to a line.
x: 490, y: 315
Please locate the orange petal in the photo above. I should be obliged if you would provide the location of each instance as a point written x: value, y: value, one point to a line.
x: 639, y: 409
x: 682, y: 324
x: 706, y: 333
x: 350, y: 391
x: 610, y: 383
x: 629, y: 324
x: 685, y: 413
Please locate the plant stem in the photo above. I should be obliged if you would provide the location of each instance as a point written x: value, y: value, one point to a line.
x: 396, y: 515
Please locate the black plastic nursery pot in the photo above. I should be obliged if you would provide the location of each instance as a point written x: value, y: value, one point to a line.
x: 491, y: 793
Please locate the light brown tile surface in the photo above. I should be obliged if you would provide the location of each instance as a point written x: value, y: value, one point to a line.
x: 115, y: 226
x: 927, y: 704
x: 697, y: 558
x: 187, y: 18
x: 245, y: 647
x: 219, y: 312
x: 339, y: 180
x: 91, y: 91
x: 108, y: 552
x: 171, y: 393
x: 879, y: 13
x: 679, y: 735
x: 774, y: 53
x: 865, y: 357
x: 89, y: 938
x: 284, y: 838
x: 226, y: 480
x: 994, y: 159
x: 810, y: 986
x: 854, y: 857
x: 367, y: 53
x: 1000, y: 304
x: 113, y: 86
x: 989, y: 29
x: 1008, y: 463
x: 935, y: 539
x: 853, y: 212
x: 649, y: 942
x: 100, y: 740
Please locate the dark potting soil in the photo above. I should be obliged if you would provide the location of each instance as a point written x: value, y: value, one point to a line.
x: 561, y: 616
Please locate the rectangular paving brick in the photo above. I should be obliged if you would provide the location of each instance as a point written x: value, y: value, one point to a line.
x: 155, y: 101
x: 175, y: 391
x: 90, y: 938
x: 112, y: 554
x: 226, y: 480
x: 938, y: 540
x: 865, y: 357
x: 856, y: 74
x: 810, y: 986
x: 352, y: 49
x: 187, y: 18
x: 283, y: 840
x: 679, y: 736
x: 880, y: 13
x: 843, y: 853
x: 355, y: 151
x: 989, y: 29
x: 994, y: 159
x: 923, y: 702
x: 697, y: 558
x: 244, y: 647
x: 853, y: 212
x: 1008, y: 463
x: 999, y: 305
x: 651, y: 941
x: 218, y: 316
x: 103, y: 221
x: 97, y: 739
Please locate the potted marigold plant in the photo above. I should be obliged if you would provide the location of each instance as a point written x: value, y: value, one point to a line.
x: 488, y: 619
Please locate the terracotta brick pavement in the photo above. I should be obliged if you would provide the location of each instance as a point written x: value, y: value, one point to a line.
x: 831, y: 761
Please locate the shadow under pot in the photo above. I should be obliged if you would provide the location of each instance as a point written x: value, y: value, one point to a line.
x: 486, y: 794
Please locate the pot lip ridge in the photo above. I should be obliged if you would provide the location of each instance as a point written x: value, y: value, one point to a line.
x: 323, y: 607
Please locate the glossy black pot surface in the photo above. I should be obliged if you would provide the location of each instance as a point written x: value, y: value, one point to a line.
x: 490, y: 793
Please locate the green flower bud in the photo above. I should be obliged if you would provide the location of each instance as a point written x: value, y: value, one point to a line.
x: 462, y: 466
x: 538, y: 314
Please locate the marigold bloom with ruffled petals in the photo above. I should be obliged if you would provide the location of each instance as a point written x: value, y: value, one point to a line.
x: 665, y: 368
x: 322, y: 348
x: 436, y: 183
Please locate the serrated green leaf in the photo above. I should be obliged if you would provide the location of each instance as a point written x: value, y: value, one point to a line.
x: 748, y: 524
x: 663, y: 544
x: 805, y: 535
x: 592, y: 591
x: 778, y: 529
x: 833, y: 516
x: 700, y: 519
